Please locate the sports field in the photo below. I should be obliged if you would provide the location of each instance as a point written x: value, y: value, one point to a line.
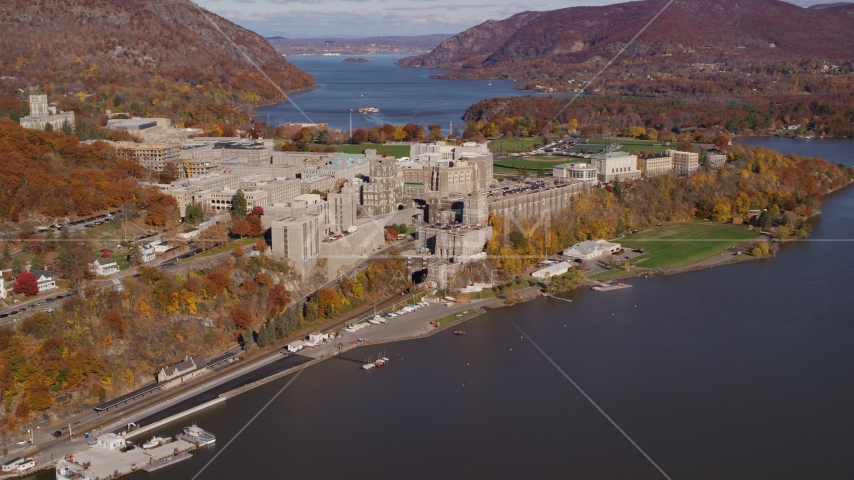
x: 631, y: 146
x: 680, y: 244
x: 514, y: 144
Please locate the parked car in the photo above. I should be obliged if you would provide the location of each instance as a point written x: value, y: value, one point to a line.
x: 21, y: 442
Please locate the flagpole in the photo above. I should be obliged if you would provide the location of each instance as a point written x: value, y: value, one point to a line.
x: 351, y: 125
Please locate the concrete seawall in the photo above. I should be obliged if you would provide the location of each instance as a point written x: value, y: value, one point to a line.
x: 159, y: 423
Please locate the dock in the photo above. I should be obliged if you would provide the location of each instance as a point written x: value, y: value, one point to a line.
x: 604, y: 287
x: 165, y: 463
x: 106, y: 460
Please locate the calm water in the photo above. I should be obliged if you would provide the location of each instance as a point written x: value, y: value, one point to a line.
x: 739, y: 372
x: 403, y: 95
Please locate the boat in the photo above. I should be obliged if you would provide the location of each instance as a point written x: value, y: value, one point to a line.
x: 458, y: 332
x: 367, y: 110
x: 195, y: 434
x: 490, y: 83
x: 368, y: 366
x: 154, y: 442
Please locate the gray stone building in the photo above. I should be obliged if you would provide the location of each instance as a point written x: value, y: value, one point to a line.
x: 42, y: 114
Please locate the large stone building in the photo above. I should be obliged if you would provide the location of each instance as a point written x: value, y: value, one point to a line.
x: 41, y: 115
x: 684, y: 163
x: 151, y: 156
x: 716, y: 158
x: 576, y: 172
x: 616, y: 166
x: 655, y: 164
x: 455, y: 243
x: 383, y: 193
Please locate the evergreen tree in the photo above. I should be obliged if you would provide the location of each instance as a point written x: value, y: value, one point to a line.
x: 281, y: 326
x: 135, y: 255
x: 247, y: 339
x: 50, y: 237
x: 17, y: 265
x: 80, y: 130
x: 66, y: 127
x: 618, y: 189
x: 238, y: 205
x: 37, y: 263
x: 7, y: 256
x: 48, y: 127
x: 64, y: 234
x: 264, y: 336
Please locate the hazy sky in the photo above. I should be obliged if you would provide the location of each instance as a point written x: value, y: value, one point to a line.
x: 365, y: 18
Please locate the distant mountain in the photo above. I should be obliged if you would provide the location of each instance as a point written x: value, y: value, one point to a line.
x: 531, y: 44
x: 357, y: 46
x: 823, y: 6
x: 81, y: 45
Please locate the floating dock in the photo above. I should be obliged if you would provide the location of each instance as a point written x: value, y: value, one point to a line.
x: 607, y: 288
x: 165, y: 463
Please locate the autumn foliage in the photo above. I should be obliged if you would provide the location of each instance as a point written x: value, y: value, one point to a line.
x: 27, y: 284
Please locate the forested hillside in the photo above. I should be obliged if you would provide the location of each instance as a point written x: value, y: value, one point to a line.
x: 694, y: 47
x: 144, y: 57
x: 47, y: 176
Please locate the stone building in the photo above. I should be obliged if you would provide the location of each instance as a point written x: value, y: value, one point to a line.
x: 317, y: 184
x: 616, y: 166
x: 655, y: 164
x: 684, y: 163
x: 151, y: 156
x: 455, y: 243
x: 382, y: 194
x: 41, y: 115
x: 576, y: 172
x: 716, y: 158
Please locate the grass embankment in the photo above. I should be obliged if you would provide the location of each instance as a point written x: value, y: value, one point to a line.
x: 396, y: 151
x: 245, y: 241
x: 454, y: 317
x: 534, y: 163
x: 681, y: 244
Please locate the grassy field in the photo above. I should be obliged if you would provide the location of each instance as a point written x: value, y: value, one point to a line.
x: 514, y: 144
x: 631, y: 146
x: 396, y: 151
x: 680, y: 244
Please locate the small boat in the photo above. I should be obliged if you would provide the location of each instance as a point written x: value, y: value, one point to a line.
x: 367, y: 110
x: 368, y: 366
x: 458, y: 332
x: 154, y: 442
x: 379, y: 363
x: 195, y: 434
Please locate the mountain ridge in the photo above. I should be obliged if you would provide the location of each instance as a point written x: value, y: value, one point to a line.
x: 764, y: 29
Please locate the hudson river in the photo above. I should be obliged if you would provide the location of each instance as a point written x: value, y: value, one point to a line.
x: 738, y: 372
x: 402, y: 95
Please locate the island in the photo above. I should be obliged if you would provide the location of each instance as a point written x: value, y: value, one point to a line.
x: 356, y: 60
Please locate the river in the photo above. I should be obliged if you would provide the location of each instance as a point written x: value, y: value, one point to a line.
x: 402, y: 95
x: 740, y: 372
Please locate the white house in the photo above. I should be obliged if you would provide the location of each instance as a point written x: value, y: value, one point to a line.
x: 589, y: 249
x: 111, y: 441
x: 552, y: 270
x: 45, y: 280
x: 294, y: 347
x: 315, y: 338
x: 2, y: 289
x: 161, y: 247
x: 147, y: 252
x: 104, y: 267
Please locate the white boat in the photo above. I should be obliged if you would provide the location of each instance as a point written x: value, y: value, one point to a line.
x: 368, y: 366
x: 154, y: 442
x: 197, y: 435
x: 374, y: 321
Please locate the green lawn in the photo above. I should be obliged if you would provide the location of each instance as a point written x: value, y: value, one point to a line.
x: 514, y: 144
x: 458, y: 316
x: 680, y: 244
x: 396, y: 151
x: 631, y: 146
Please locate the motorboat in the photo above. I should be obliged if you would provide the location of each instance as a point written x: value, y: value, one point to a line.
x: 195, y: 434
x: 154, y: 442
